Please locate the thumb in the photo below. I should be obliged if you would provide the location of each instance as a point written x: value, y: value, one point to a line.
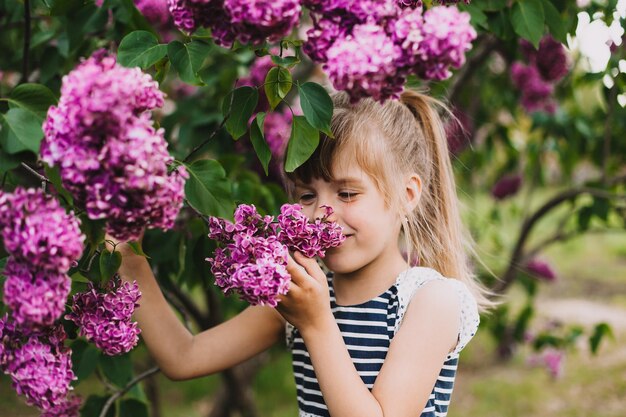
x: 310, y: 265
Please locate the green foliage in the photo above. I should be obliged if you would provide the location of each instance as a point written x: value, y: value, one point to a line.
x: 261, y: 147
x: 208, y: 190
x: 238, y: 108
x: 277, y: 85
x: 140, y: 49
x: 302, y: 143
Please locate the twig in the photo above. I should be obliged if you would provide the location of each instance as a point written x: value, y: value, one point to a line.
x: 197, y: 148
x: 35, y: 173
x: 24, y: 77
x: 127, y: 388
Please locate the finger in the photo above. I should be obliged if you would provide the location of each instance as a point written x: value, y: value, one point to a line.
x: 311, y: 266
x: 297, y: 271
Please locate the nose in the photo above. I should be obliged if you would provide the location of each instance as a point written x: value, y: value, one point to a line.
x: 325, y: 209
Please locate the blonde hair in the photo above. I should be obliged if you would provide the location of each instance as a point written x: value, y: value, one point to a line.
x: 392, y: 140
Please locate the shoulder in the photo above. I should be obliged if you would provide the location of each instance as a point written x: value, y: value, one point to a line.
x: 445, y: 302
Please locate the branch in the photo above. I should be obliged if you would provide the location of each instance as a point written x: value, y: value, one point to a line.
x: 42, y: 178
x: 128, y: 386
x: 26, y: 41
x: 518, y: 251
x: 486, y: 45
x: 197, y: 148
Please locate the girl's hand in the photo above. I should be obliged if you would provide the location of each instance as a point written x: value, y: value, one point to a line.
x: 307, y: 304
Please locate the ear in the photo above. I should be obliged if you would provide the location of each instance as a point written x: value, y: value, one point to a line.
x: 413, y: 190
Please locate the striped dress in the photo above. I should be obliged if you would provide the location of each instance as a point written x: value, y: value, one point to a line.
x: 368, y: 329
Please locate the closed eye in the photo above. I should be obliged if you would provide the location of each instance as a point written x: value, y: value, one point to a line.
x: 347, y: 195
x: 306, y: 197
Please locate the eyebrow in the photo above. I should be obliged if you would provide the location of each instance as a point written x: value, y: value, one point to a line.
x: 340, y: 181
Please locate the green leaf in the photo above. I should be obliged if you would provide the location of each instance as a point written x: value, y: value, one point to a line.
x: 118, y: 369
x: 63, y: 7
x: 94, y: 405
x: 527, y: 18
x: 258, y: 141
x: 133, y: 408
x: 21, y: 131
x: 138, y: 249
x: 555, y: 21
x: 478, y: 17
x: 140, y: 49
x: 584, y: 217
x: 600, y: 331
x: 286, y: 61
x: 208, y: 190
x: 302, y: 143
x: 278, y: 82
x: 491, y: 5
x: 317, y: 106
x: 84, y: 359
x: 188, y: 58
x: 54, y: 175
x: 110, y: 262
x: 244, y: 101
x: 8, y: 162
x: 36, y: 98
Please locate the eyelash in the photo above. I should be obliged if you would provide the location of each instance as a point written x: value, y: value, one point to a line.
x: 346, y: 195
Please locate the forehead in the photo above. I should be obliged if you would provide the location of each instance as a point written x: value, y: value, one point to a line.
x: 344, y: 172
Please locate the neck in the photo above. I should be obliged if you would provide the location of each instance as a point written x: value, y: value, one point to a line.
x: 373, y: 279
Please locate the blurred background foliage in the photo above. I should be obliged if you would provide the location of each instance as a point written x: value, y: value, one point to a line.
x: 542, y: 191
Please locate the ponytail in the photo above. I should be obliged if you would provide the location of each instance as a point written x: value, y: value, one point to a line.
x: 434, y: 230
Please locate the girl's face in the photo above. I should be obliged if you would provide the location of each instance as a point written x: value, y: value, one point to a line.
x: 371, y: 229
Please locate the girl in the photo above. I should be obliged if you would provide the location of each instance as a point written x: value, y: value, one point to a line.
x: 374, y: 337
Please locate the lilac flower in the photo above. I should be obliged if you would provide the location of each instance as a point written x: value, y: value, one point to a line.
x: 447, y: 34
x: 551, y: 358
x: 550, y: 59
x: 407, y: 33
x: 39, y: 365
x: 36, y: 298
x: 352, y: 67
x: 68, y: 407
x: 506, y: 186
x: 409, y: 4
x: 320, y: 38
x: 541, y: 269
x: 36, y: 230
x: 536, y: 93
x: 155, y: 11
x: 252, y: 263
x: 105, y: 317
x: 254, y: 21
x: 111, y: 158
x: 312, y: 239
x: 277, y: 129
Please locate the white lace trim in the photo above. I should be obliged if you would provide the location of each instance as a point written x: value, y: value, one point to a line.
x: 413, y: 279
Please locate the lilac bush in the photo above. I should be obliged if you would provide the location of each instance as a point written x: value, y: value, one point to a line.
x: 104, y: 318
x: 254, y: 21
x: 111, y: 158
x: 541, y: 269
x: 252, y: 262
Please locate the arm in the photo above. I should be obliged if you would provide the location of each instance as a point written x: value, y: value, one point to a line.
x: 180, y: 354
x: 413, y: 362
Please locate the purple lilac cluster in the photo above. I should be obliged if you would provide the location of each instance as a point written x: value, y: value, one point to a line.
x: 155, y: 11
x: 43, y: 242
x: 406, y: 39
x: 540, y: 269
x: 111, y: 158
x: 104, y: 318
x: 253, y: 260
x: 40, y: 367
x: 249, y: 21
x: 536, y: 80
x: 506, y: 186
